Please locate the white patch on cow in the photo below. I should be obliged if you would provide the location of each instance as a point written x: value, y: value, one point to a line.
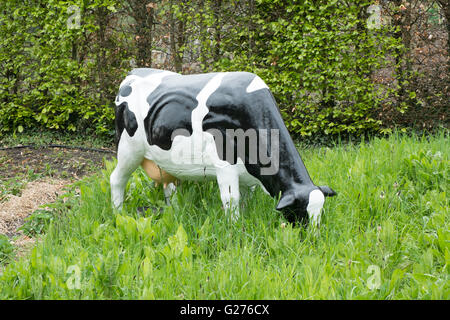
x: 202, y: 110
x: 256, y: 84
x: 142, y: 87
x: 315, y: 204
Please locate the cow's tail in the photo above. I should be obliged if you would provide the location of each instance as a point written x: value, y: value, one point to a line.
x: 125, y: 119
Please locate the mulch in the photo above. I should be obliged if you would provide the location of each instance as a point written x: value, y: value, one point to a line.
x: 44, y: 171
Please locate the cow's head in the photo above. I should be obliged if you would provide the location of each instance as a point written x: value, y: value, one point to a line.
x: 304, y: 203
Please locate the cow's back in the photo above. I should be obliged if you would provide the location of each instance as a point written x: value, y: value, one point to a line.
x: 230, y: 106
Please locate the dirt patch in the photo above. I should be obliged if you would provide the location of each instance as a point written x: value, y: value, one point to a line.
x: 17, y: 208
x: 53, y: 162
x: 32, y: 177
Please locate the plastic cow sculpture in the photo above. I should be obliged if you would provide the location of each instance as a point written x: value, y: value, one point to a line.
x: 223, y: 126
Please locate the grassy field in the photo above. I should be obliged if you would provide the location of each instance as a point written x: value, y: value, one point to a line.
x: 385, y: 236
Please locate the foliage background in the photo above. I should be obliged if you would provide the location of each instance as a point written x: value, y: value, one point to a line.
x: 329, y: 72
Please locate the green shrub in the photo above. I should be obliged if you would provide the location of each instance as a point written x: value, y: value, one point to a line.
x: 49, y: 72
x: 318, y: 58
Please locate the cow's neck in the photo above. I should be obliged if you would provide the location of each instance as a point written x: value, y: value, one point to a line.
x: 292, y: 172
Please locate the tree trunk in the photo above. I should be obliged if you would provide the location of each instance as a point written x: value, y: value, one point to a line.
x: 181, y: 39
x: 177, y: 41
x: 401, y: 55
x: 102, y: 21
x: 142, y: 12
x: 445, y: 6
x: 217, y: 7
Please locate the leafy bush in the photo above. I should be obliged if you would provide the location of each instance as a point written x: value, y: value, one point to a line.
x: 49, y: 71
x: 317, y: 57
x: 329, y: 72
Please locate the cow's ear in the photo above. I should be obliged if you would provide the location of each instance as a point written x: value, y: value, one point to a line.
x: 327, y: 191
x: 286, y: 201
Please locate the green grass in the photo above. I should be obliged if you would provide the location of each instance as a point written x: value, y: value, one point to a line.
x: 39, y: 137
x: 385, y: 236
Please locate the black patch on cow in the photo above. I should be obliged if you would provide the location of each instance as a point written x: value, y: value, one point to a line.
x: 118, y: 121
x: 125, y: 119
x: 130, y: 122
x: 143, y: 72
x: 125, y: 90
x: 231, y: 107
x: 171, y: 105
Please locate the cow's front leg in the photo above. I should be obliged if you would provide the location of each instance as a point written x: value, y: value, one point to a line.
x: 228, y: 180
x: 127, y: 163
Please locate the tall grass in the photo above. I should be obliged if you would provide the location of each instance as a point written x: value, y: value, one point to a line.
x: 385, y: 236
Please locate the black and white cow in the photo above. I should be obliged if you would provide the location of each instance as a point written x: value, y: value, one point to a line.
x: 211, y: 126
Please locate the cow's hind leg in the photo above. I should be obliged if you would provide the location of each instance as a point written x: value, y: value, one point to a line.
x: 228, y: 181
x: 169, y: 189
x: 127, y: 162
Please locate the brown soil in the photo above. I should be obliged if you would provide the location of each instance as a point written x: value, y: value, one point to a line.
x: 35, y: 194
x: 30, y: 178
x: 53, y: 162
